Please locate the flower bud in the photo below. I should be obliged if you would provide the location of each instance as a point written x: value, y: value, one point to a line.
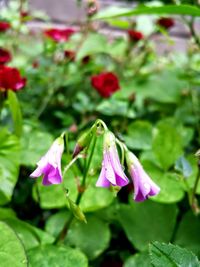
x: 83, y: 141
x: 77, y: 212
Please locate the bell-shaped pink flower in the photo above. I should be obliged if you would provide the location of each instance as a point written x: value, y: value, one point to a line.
x: 112, y: 172
x: 50, y: 164
x: 144, y: 187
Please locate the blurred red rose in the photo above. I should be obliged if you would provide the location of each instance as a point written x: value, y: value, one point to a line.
x: 70, y: 55
x: 135, y: 36
x: 105, y: 83
x: 4, y: 26
x: 24, y: 14
x: 10, y: 79
x: 5, y: 56
x: 86, y: 59
x: 59, y: 35
x: 165, y: 22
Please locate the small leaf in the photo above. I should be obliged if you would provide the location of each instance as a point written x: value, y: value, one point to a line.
x: 169, y: 255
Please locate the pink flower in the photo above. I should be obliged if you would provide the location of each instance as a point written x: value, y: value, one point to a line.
x: 144, y: 187
x: 112, y: 172
x: 50, y: 164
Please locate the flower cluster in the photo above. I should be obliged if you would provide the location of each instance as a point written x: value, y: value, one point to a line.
x: 112, y: 172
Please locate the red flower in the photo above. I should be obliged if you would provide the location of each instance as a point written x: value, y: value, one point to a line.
x: 10, y: 79
x: 105, y: 83
x: 59, y: 35
x: 166, y: 22
x: 5, y: 56
x: 4, y: 26
x: 70, y: 55
x: 135, y: 36
x: 24, y: 14
x: 86, y: 59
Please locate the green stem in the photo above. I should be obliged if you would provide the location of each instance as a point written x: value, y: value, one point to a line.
x: 63, y: 233
x: 194, y: 203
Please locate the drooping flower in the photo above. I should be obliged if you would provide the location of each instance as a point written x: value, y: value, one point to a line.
x: 144, y: 187
x: 50, y: 164
x: 10, y: 79
x: 4, y: 26
x: 135, y: 36
x: 105, y: 83
x: 5, y: 56
x: 112, y: 172
x: 59, y: 35
x: 166, y: 23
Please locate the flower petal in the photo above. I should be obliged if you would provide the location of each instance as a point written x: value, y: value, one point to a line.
x: 102, y: 181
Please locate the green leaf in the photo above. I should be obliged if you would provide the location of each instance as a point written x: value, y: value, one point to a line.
x: 92, y: 238
x: 16, y: 112
x: 9, y: 164
x: 167, y: 145
x: 94, y: 43
x: 11, y: 249
x: 6, y: 213
x: 161, y: 10
x: 93, y: 199
x: 115, y: 107
x: 147, y: 221
x: 28, y: 234
x: 171, y: 189
x: 56, y: 222
x: 138, y: 260
x: 187, y: 234
x: 139, y: 135
x: 34, y: 145
x: 183, y: 166
x: 51, y: 256
x: 169, y: 255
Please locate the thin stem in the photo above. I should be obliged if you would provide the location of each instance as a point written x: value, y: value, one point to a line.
x: 194, y: 203
x: 71, y: 163
x: 63, y: 233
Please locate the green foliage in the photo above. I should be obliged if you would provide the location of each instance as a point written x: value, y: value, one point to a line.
x: 92, y: 238
x: 155, y: 113
x: 11, y: 249
x: 9, y: 164
x: 187, y: 234
x: 170, y: 255
x: 162, y: 10
x: 146, y: 222
x: 16, y: 112
x: 50, y: 255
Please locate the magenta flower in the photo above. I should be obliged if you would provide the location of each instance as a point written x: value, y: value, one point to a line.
x: 112, y: 172
x: 144, y: 187
x: 50, y: 164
